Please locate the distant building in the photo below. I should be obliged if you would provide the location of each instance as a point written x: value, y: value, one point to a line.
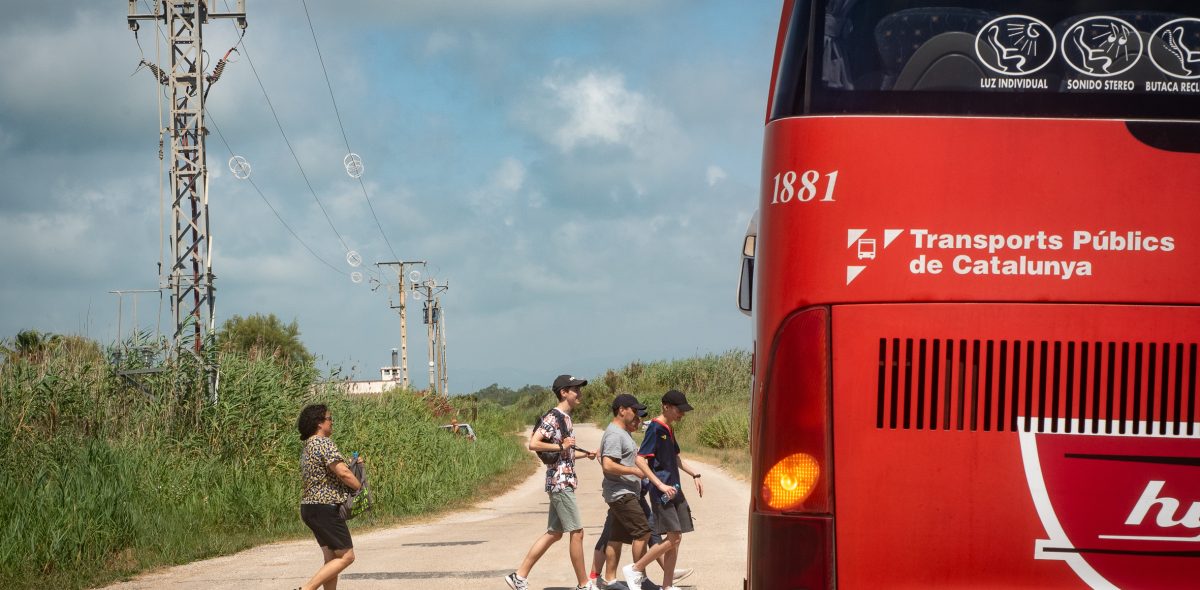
x: 389, y: 377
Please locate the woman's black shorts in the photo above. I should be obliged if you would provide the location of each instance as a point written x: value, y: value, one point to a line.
x: 329, y: 528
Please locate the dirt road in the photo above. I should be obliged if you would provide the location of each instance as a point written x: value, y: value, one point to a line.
x: 475, y: 548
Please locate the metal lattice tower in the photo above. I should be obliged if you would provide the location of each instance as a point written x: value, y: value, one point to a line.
x: 190, y: 277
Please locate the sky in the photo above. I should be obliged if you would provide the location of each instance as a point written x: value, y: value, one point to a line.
x: 579, y: 173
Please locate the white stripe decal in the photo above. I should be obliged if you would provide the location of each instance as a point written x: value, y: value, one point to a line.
x: 1058, y: 537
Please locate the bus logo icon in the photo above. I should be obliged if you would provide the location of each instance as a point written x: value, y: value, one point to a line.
x: 866, y: 249
x: 1015, y: 45
x: 1121, y: 510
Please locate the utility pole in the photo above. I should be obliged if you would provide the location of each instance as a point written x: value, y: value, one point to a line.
x: 441, y: 315
x: 190, y: 280
x: 400, y: 286
x: 431, y: 292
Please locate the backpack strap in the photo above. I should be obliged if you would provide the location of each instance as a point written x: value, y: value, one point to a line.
x: 559, y: 420
x: 562, y: 422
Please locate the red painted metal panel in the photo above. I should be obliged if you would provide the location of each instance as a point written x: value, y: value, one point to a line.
x: 975, y: 504
x: 1036, y: 181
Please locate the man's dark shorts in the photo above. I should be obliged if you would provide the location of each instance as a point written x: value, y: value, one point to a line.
x: 327, y: 526
x: 673, y: 517
x: 629, y: 522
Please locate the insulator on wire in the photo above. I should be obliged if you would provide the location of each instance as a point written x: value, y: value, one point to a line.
x: 220, y: 67
x: 353, y: 164
x: 216, y: 73
x: 239, y: 167
x: 162, y: 76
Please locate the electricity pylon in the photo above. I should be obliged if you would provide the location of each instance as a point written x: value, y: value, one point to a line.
x: 190, y: 278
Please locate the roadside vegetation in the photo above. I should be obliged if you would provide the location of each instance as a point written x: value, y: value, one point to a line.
x: 102, y: 477
x: 717, y: 385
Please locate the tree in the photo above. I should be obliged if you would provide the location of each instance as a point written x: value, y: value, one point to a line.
x: 264, y: 335
x: 36, y: 347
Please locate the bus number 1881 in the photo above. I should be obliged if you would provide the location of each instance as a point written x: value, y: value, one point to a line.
x: 810, y: 184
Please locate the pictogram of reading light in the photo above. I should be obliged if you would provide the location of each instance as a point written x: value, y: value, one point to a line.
x: 790, y: 481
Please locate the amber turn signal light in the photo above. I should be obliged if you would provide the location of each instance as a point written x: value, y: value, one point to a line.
x: 790, y: 481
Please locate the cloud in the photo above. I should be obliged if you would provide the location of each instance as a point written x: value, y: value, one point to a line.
x: 440, y: 42
x: 499, y: 193
x: 715, y: 174
x: 528, y: 149
x: 596, y: 108
x: 441, y: 11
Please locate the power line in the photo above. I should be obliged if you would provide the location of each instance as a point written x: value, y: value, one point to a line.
x: 246, y: 52
x: 345, y: 138
x: 217, y: 128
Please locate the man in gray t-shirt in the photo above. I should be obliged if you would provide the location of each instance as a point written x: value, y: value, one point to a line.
x: 618, y: 444
x: 623, y: 472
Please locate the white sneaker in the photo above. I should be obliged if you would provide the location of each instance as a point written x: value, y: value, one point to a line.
x: 633, y: 578
x: 682, y: 573
x: 670, y: 588
x: 515, y: 582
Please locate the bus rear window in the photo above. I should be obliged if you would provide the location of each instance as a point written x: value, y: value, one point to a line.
x: 1099, y: 58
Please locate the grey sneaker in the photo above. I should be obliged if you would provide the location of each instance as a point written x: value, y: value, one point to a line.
x: 516, y: 582
x: 633, y: 578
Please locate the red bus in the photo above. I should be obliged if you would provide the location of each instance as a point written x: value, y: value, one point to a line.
x: 974, y: 276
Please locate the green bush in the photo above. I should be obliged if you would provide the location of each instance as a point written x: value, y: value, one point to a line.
x: 717, y: 385
x: 101, y: 478
x: 726, y: 431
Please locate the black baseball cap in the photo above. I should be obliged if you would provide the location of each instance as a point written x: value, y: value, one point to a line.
x: 677, y: 399
x: 628, y: 401
x: 565, y: 381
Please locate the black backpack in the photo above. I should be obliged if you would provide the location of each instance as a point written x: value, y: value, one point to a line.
x: 359, y: 501
x: 552, y: 457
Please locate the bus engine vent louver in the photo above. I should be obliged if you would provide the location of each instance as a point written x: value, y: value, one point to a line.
x: 1109, y: 388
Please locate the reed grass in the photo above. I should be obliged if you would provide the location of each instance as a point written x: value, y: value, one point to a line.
x: 100, y: 479
x: 716, y: 385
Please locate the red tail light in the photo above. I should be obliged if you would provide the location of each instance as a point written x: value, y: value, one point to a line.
x: 792, y: 462
x: 791, y: 521
x: 793, y: 552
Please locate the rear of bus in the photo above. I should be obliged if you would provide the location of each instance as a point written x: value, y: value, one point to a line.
x: 974, y: 277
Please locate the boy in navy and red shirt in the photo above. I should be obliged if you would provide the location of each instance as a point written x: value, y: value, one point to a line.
x: 672, y: 515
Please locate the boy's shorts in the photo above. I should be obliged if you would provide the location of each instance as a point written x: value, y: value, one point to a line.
x: 564, y: 512
x: 628, y: 520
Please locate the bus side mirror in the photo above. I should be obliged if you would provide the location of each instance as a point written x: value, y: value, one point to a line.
x: 746, y: 280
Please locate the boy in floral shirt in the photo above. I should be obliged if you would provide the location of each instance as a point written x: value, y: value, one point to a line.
x: 554, y: 434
